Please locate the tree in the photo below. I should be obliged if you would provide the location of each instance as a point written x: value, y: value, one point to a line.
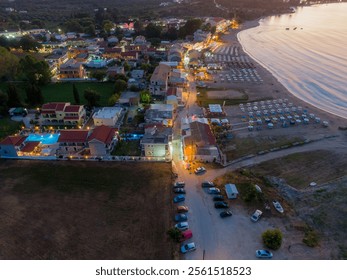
x: 76, y: 94
x: 34, y: 95
x: 171, y: 34
x: 138, y: 26
x: 145, y: 96
x: 13, y: 96
x: 98, y: 74
x: 190, y: 27
x: 107, y: 26
x: 153, y: 31
x: 3, y: 103
x: 120, y: 77
x: 126, y: 66
x: 155, y: 42
x: 175, y: 234
x: 113, y: 99
x: 73, y: 26
x: 9, y: 65
x: 272, y: 238
x: 120, y: 85
x: 92, y: 97
x: 35, y: 71
x: 28, y: 44
x: 90, y: 29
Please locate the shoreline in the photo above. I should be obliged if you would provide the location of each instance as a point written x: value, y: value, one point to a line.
x: 272, y: 86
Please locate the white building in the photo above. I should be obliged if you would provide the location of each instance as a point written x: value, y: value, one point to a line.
x: 107, y: 116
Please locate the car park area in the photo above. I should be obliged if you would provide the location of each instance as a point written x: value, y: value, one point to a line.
x: 213, y: 227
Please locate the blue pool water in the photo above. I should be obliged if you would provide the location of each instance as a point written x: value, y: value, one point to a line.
x: 45, y: 139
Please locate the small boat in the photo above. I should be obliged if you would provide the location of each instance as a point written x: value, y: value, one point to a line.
x: 278, y: 206
x: 287, y: 28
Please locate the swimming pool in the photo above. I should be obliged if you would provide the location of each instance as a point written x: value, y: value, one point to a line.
x: 45, y: 139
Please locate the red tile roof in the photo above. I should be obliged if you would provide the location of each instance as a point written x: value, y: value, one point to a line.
x: 113, y: 50
x: 133, y: 54
x: 13, y: 140
x: 102, y: 133
x: 72, y: 108
x: 30, y: 146
x: 55, y: 106
x: 73, y: 135
x: 201, y: 135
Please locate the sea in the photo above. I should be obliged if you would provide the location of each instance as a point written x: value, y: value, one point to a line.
x: 307, y: 52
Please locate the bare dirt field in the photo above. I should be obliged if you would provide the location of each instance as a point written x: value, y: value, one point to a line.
x: 80, y: 210
x: 321, y: 208
x: 229, y: 94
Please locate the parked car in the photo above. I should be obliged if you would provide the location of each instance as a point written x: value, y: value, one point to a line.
x: 263, y: 254
x: 182, y: 209
x: 179, y: 190
x: 200, y: 170
x: 207, y: 184
x: 180, y: 184
x: 186, y: 235
x: 214, y: 191
x: 256, y: 215
x: 221, y: 204
x: 188, y: 247
x: 182, y: 226
x: 181, y: 218
x: 179, y: 198
x: 225, y: 214
x: 218, y: 198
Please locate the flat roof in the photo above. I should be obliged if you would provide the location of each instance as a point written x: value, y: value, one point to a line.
x: 107, y: 112
x: 215, y: 108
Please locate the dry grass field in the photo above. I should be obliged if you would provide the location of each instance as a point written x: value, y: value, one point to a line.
x: 82, y: 210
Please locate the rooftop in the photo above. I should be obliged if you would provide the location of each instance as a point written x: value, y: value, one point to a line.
x: 104, y: 134
x: 107, y: 112
x: 30, y: 146
x: 13, y: 140
x: 73, y: 135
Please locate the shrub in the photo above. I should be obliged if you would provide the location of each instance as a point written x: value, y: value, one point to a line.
x: 272, y: 238
x: 311, y: 238
x: 249, y: 193
x: 175, y: 234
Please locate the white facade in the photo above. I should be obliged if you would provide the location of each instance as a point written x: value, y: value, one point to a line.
x: 107, y: 116
x: 98, y: 148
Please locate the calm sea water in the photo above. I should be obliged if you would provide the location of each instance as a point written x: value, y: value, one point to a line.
x: 309, y: 59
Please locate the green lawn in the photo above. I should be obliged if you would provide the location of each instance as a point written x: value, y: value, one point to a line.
x: 203, y: 99
x: 130, y: 148
x: 62, y: 92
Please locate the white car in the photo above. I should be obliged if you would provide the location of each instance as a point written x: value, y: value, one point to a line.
x: 256, y: 215
x: 214, y: 191
x: 188, y: 248
x: 179, y: 184
x: 200, y: 170
x: 182, y: 226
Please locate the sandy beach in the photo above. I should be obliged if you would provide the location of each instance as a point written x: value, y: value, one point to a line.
x: 272, y: 88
